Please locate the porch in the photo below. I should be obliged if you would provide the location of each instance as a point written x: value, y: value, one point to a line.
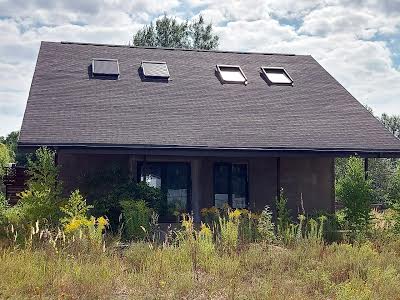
x: 196, y: 182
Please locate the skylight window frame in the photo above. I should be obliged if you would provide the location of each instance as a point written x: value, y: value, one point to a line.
x: 218, y: 66
x: 105, y: 74
x: 279, y: 69
x: 149, y: 76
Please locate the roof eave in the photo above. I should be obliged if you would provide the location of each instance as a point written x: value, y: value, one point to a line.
x: 214, y: 151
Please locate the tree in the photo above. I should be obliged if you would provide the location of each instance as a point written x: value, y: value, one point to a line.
x: 355, y: 193
x: 11, y: 141
x: 5, y: 158
x: 392, y: 123
x: 170, y: 33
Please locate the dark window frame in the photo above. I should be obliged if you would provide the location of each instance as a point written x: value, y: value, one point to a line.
x: 163, y: 166
x: 230, y: 165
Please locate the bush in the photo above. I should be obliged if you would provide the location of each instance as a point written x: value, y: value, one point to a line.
x: 229, y: 230
x: 265, y: 225
x: 136, y: 215
x: 282, y: 214
x: 77, y: 222
x: 42, y: 199
x: 5, y: 158
x: 75, y: 207
x: 106, y: 189
x: 355, y: 193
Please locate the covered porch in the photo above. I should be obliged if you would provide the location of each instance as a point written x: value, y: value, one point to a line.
x: 193, y: 182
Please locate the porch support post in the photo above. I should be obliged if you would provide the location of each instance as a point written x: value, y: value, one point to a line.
x: 366, y: 168
x: 132, y: 168
x: 278, y: 178
x: 196, y: 193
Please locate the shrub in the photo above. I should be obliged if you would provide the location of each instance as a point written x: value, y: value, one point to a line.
x: 355, y: 193
x: 5, y: 158
x: 282, y: 215
x: 393, y: 192
x: 248, y: 226
x: 136, y: 215
x: 42, y: 199
x: 229, y: 231
x: 210, y: 215
x: 266, y: 226
x: 75, y: 207
x: 76, y: 220
x: 106, y: 189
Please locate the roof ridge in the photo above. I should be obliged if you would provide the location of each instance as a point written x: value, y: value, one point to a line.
x: 180, y: 49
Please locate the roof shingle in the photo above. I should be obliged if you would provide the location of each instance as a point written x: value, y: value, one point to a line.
x: 193, y: 108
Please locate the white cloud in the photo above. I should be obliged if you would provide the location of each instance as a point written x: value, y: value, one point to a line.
x: 341, y: 34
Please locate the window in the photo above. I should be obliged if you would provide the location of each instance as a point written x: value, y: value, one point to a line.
x: 277, y: 76
x: 231, y: 74
x: 174, y: 181
x: 230, y: 185
x: 155, y: 69
x: 105, y: 67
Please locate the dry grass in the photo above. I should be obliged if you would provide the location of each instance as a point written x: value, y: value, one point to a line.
x: 305, y: 271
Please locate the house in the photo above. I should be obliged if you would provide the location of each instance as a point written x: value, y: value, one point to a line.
x: 208, y: 127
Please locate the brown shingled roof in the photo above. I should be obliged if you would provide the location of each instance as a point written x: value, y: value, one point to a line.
x: 193, y: 109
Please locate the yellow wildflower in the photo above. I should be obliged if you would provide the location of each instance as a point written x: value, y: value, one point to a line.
x: 234, y: 214
x: 102, y: 222
x: 205, y: 230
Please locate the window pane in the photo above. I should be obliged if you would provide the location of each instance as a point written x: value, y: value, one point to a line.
x: 231, y: 74
x: 239, y: 186
x: 278, y: 78
x: 221, y: 182
x: 177, y: 186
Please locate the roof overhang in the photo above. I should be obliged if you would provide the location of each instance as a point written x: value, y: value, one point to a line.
x: 176, y: 150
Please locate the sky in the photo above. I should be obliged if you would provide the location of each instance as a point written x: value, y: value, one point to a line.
x: 357, y: 41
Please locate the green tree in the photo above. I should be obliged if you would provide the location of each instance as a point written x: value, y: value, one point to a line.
x: 355, y: 193
x: 5, y: 158
x: 392, y: 123
x: 168, y: 32
x: 42, y: 199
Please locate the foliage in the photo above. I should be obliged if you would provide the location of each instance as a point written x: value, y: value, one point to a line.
x: 266, y: 226
x: 170, y: 33
x: 282, y: 214
x: 393, y: 190
x: 42, y: 199
x: 106, y: 188
x: 10, y: 141
x: 89, y: 228
x: 248, y: 226
x: 229, y: 230
x: 392, y: 123
x: 355, y: 193
x: 210, y: 215
x: 369, y: 270
x: 136, y: 215
x: 5, y: 158
x: 75, y: 207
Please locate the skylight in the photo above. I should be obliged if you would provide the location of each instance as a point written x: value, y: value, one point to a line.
x: 155, y: 69
x: 277, y: 75
x: 231, y: 74
x: 105, y: 67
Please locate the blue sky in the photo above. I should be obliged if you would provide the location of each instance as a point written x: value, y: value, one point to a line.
x: 357, y: 41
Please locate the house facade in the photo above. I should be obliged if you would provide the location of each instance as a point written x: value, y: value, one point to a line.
x: 207, y: 127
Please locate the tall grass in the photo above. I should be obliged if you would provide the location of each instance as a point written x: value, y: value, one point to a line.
x: 306, y: 271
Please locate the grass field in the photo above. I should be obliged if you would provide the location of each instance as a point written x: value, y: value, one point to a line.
x: 306, y: 270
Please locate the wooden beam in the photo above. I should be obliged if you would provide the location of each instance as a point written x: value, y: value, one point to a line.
x: 278, y: 178
x: 366, y: 168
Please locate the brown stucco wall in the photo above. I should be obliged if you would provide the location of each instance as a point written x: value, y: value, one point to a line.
x: 74, y: 166
x: 313, y: 178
